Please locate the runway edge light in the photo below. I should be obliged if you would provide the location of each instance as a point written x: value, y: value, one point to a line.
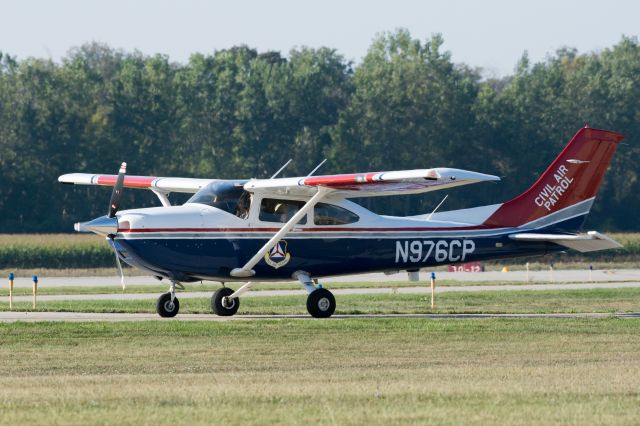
x: 433, y: 290
x: 11, y: 277
x: 35, y: 290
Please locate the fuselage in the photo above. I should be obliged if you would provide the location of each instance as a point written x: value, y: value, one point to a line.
x: 197, y: 241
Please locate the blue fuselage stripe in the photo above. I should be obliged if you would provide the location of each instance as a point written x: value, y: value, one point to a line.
x: 214, y: 258
x: 194, y: 256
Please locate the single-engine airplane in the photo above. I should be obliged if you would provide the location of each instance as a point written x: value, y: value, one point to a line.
x: 305, y: 228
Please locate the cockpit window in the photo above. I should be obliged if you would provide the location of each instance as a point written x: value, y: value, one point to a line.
x: 328, y: 214
x: 272, y: 210
x: 229, y: 196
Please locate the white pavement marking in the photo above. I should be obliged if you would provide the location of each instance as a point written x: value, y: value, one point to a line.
x: 338, y: 292
x: 116, y: 317
x: 534, y: 276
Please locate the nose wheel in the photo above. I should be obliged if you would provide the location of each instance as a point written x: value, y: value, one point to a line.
x: 166, y: 307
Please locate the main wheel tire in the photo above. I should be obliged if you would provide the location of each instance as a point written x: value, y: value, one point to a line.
x: 165, y: 308
x: 219, y: 307
x: 321, y: 303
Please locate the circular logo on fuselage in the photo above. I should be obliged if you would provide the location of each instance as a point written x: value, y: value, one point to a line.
x: 278, y: 256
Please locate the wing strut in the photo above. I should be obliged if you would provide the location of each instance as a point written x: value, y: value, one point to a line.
x: 162, y: 196
x: 247, y: 269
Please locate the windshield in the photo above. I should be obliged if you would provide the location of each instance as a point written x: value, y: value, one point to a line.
x: 227, y: 195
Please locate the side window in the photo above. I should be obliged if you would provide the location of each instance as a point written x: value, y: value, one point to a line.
x: 327, y: 214
x: 272, y: 210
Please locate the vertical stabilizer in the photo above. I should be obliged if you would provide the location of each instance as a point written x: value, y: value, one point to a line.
x: 563, y: 195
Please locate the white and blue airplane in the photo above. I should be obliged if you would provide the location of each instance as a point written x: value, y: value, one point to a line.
x: 305, y: 228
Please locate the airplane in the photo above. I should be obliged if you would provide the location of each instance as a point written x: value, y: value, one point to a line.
x: 306, y: 228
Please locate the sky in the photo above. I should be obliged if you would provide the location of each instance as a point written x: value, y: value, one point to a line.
x: 491, y: 34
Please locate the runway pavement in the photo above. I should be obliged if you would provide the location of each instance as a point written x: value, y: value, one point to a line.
x: 520, y: 276
x: 574, y: 280
x: 117, y: 317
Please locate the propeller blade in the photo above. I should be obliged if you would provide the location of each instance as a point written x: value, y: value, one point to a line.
x: 120, y: 269
x: 115, y: 251
x: 114, y: 204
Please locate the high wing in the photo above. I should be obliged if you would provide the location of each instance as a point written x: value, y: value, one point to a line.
x: 161, y: 184
x: 370, y: 184
x: 353, y: 185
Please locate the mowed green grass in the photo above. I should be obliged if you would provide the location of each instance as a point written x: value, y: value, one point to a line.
x: 355, y: 371
x: 547, y: 301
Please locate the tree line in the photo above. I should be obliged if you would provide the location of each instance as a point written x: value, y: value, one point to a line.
x: 239, y: 113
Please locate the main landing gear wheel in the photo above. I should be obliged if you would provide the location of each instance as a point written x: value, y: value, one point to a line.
x: 222, y: 305
x: 165, y: 307
x: 321, y: 303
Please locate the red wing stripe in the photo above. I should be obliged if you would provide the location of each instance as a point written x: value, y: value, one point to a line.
x: 336, y: 180
x: 129, y: 181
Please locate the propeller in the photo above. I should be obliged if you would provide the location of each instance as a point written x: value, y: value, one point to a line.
x: 114, y: 206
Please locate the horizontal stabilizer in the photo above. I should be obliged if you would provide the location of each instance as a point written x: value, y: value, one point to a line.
x: 591, y: 241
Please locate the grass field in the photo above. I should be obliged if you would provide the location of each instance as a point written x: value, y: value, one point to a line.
x: 56, y: 251
x: 356, y: 371
x: 548, y: 301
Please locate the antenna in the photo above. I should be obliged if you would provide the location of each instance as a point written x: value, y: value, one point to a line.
x: 281, y: 168
x: 317, y: 167
x: 437, y: 207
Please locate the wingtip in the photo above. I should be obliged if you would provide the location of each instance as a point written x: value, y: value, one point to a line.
x: 66, y: 179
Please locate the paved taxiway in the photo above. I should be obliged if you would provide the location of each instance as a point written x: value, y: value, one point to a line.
x: 85, y: 316
x: 339, y: 291
x: 573, y: 280
x: 578, y: 276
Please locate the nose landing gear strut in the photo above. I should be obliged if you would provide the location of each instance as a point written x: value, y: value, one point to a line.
x: 168, y: 304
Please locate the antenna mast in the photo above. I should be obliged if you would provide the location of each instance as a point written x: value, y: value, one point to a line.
x: 317, y: 167
x: 281, y: 168
x: 437, y: 207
